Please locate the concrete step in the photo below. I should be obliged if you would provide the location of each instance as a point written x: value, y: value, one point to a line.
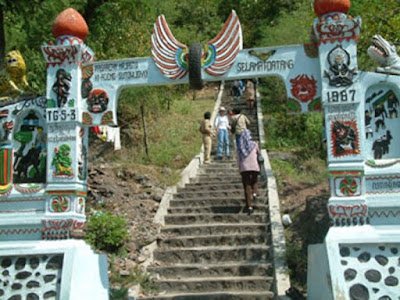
x: 215, y: 240
x: 217, y: 165
x: 207, y: 194
x: 225, y: 163
x: 201, y: 202
x: 211, y: 229
x: 181, y: 219
x: 220, y: 172
x: 210, y: 255
x: 226, y: 295
x: 216, y: 284
x: 225, y: 179
x: 213, y: 270
x: 216, y: 179
x: 222, y: 164
x: 193, y: 187
x: 229, y: 208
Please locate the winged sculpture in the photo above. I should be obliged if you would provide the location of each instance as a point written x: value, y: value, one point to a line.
x: 216, y: 57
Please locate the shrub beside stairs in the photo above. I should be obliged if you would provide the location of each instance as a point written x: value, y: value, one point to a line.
x: 209, y: 247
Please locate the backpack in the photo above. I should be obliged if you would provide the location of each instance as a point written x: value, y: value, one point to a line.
x: 202, y: 128
x: 233, y: 125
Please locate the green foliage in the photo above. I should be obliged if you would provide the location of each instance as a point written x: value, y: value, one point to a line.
x: 292, y: 27
x: 173, y: 134
x: 27, y: 25
x: 120, y: 29
x: 378, y: 17
x: 309, y: 171
x: 195, y: 21
x: 313, y: 134
x: 296, y: 256
x: 135, y: 277
x: 256, y: 16
x: 301, y: 132
x: 118, y: 294
x: 106, y: 232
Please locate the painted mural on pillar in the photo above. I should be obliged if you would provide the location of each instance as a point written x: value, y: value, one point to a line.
x: 30, y: 144
x: 62, y: 161
x: 344, y: 137
x: 23, y: 141
x: 381, y: 122
x: 61, y: 87
x: 60, y: 204
x: 339, y: 73
x: 337, y: 27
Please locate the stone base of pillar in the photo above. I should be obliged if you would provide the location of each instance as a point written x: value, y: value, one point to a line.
x: 67, y: 269
x: 360, y: 262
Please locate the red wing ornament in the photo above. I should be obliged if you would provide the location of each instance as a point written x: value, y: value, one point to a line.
x: 223, y: 49
x: 172, y: 57
x: 168, y: 53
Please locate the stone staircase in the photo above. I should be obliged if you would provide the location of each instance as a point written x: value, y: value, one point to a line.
x: 210, y: 248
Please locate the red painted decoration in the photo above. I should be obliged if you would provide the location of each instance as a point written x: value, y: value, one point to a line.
x: 322, y: 7
x: 304, y: 87
x: 70, y: 22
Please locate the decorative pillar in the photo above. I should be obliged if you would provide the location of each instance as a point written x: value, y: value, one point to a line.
x: 43, y: 150
x: 360, y: 256
x: 67, y: 140
x: 337, y: 35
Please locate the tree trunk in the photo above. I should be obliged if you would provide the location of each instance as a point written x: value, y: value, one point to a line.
x: 2, y: 38
x: 146, y: 148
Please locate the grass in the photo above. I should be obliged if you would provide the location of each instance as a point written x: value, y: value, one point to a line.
x: 135, y: 277
x: 310, y: 171
x: 173, y: 139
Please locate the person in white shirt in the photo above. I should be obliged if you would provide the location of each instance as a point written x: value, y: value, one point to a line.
x: 222, y: 126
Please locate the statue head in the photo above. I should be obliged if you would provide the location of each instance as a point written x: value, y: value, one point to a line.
x: 97, y: 101
x: 15, y: 63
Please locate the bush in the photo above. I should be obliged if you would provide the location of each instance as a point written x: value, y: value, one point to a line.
x: 106, y: 232
x: 136, y: 276
x: 301, y: 133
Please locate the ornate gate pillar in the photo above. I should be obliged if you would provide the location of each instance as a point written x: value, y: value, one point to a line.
x: 67, y: 139
x: 360, y: 256
x: 43, y: 185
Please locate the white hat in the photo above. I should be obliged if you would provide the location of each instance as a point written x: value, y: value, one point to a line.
x: 222, y: 108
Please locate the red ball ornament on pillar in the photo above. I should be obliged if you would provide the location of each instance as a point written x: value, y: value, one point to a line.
x: 322, y: 7
x: 70, y: 22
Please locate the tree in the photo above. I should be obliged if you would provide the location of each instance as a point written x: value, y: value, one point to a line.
x: 2, y: 37
x: 25, y: 26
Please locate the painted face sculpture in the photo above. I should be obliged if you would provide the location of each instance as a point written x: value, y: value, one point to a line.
x: 97, y: 101
x: 304, y: 87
